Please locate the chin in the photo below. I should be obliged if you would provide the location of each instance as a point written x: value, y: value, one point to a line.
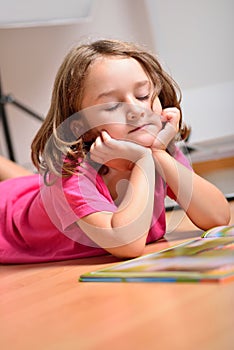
x: 145, y: 141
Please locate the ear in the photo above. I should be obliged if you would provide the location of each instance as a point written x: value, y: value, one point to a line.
x: 77, y: 127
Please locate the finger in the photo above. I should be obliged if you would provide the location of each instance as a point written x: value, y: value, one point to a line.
x: 170, y: 113
x: 108, y: 141
x: 172, y: 118
x: 105, y: 136
x: 164, y: 118
x: 98, y: 142
x: 97, y: 159
x: 96, y: 145
x: 166, y: 134
x: 170, y: 109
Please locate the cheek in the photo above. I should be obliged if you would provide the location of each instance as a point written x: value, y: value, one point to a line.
x: 157, y: 107
x: 116, y: 130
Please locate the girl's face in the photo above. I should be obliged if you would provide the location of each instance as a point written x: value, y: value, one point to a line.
x: 119, y: 92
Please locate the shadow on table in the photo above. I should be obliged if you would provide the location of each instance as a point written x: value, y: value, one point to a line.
x: 175, y: 236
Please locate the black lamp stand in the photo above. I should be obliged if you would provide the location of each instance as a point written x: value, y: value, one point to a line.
x: 4, y: 99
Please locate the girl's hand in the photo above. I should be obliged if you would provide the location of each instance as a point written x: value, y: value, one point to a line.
x: 117, y: 154
x: 170, y: 117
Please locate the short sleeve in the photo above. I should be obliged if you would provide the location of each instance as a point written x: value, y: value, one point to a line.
x: 69, y: 199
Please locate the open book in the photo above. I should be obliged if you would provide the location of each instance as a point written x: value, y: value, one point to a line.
x: 206, y: 259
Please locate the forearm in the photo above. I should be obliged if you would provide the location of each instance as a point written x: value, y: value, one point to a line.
x: 136, y: 207
x: 123, y: 233
x: 205, y: 205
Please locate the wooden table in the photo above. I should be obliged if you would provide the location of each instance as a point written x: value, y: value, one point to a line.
x: 43, y: 306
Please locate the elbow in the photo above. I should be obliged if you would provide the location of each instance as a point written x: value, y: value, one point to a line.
x: 132, y: 254
x: 129, y: 251
x: 222, y: 219
x: 223, y: 215
x: 219, y: 217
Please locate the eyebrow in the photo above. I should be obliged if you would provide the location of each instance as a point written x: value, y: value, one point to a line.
x: 112, y: 92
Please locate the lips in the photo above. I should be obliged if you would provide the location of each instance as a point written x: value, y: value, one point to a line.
x: 138, y: 128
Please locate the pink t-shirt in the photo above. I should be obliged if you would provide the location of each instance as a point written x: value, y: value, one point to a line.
x: 38, y: 222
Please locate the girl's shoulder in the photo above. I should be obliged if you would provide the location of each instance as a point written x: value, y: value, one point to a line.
x: 85, y: 181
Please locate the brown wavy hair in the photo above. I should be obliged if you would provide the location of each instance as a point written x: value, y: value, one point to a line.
x: 49, y: 144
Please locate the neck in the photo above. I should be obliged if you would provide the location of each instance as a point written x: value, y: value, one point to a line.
x: 116, y: 182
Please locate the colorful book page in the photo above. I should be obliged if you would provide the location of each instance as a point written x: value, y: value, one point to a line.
x: 197, y: 260
x: 219, y: 231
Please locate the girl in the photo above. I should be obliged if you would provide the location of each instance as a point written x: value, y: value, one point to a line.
x: 107, y: 158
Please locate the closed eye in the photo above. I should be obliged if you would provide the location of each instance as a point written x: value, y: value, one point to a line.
x: 112, y: 107
x: 143, y: 98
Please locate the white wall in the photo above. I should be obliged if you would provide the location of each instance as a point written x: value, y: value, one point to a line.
x: 30, y: 58
x: 193, y: 40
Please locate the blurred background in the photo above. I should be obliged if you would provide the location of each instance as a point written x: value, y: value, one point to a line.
x: 193, y: 40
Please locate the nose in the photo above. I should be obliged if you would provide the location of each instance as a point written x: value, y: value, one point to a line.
x: 134, y: 112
